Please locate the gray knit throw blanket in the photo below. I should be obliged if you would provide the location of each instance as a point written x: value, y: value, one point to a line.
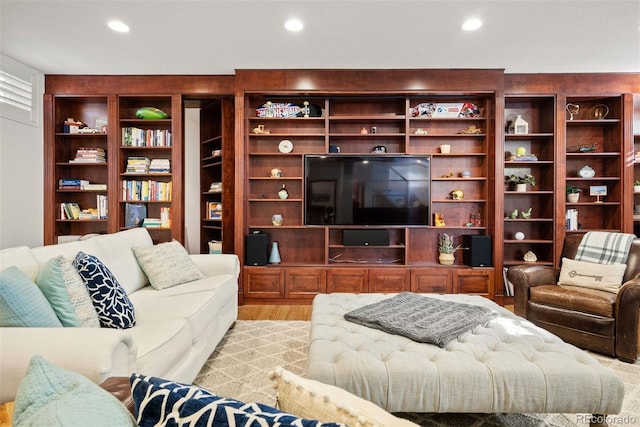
x: 421, y: 318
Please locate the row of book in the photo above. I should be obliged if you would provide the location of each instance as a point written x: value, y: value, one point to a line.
x: 136, y: 164
x: 72, y: 211
x: 571, y: 218
x: 146, y: 190
x: 136, y: 137
x: 89, y: 155
x: 80, y: 184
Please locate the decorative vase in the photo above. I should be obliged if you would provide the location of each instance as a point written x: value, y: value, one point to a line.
x: 274, y: 256
x: 573, y: 197
x: 446, y: 259
x: 277, y: 220
x: 283, y: 193
x: 521, y: 188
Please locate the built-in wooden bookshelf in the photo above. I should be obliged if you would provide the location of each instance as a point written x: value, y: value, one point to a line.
x: 216, y: 175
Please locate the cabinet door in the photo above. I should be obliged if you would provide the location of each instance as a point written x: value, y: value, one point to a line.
x: 305, y: 282
x: 431, y: 280
x: 347, y: 280
x: 264, y: 282
x: 389, y: 280
x: 474, y: 281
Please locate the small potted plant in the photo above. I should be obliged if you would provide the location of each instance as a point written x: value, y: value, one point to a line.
x: 520, y: 181
x: 447, y: 248
x: 636, y: 186
x: 573, y: 193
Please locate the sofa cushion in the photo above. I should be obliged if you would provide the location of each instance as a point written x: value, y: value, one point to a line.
x: 49, y: 395
x: 120, y: 258
x: 313, y: 399
x: 20, y: 257
x: 604, y: 277
x: 79, y: 295
x: 575, y: 298
x: 51, y: 282
x: 162, y: 344
x: 200, y: 309
x: 167, y: 264
x: 109, y: 298
x: 163, y: 402
x: 22, y: 303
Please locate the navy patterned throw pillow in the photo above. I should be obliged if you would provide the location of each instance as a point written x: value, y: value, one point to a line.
x: 109, y: 298
x: 167, y: 403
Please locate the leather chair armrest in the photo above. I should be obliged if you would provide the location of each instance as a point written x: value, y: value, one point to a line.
x: 120, y: 388
x: 524, y: 277
x: 628, y: 321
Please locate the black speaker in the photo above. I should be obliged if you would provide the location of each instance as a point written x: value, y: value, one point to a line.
x: 256, y: 249
x: 365, y: 237
x: 477, y: 250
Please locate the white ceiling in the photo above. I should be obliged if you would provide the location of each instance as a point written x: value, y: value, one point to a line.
x: 219, y: 36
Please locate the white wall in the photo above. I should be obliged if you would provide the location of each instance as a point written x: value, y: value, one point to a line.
x: 192, y: 179
x: 21, y: 183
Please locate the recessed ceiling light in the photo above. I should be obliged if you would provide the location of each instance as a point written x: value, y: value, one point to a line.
x: 472, y: 24
x: 293, y: 25
x: 118, y: 26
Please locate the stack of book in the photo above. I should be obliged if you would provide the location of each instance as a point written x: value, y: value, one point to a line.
x: 163, y: 222
x: 89, y: 155
x: 215, y: 187
x: 160, y: 166
x: 137, y: 165
x: 79, y: 184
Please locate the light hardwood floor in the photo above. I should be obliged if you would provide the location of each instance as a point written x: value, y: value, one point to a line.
x: 282, y: 312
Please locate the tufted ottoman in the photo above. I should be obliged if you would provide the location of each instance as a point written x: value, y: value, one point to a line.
x: 510, y: 366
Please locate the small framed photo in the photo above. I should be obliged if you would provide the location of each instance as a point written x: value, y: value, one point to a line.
x: 598, y: 190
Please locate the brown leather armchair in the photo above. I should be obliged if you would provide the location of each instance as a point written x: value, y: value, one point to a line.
x: 592, y: 319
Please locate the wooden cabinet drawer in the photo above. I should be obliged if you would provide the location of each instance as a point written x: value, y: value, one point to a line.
x: 352, y: 280
x: 474, y: 281
x: 305, y: 282
x: 264, y: 282
x: 389, y: 280
x: 431, y: 280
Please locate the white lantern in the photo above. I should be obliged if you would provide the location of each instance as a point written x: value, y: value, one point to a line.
x: 520, y: 125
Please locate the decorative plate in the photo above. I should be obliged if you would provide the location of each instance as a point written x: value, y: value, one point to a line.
x: 285, y: 146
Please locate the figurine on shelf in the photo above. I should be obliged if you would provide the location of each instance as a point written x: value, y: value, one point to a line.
x: 514, y: 214
x: 527, y: 214
x: 470, y: 130
x: 457, y: 195
x: 276, y: 173
x: 260, y: 130
x: 438, y: 220
x: 421, y: 131
x: 529, y: 256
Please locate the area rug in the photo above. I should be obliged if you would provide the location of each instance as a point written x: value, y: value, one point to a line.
x: 240, y: 367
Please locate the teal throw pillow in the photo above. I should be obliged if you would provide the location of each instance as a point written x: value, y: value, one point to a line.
x: 51, y: 396
x: 51, y: 282
x: 22, y: 303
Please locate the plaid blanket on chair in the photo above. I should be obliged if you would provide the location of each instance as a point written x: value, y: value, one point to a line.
x: 602, y: 247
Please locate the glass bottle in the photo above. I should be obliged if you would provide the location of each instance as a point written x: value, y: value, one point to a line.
x: 274, y: 256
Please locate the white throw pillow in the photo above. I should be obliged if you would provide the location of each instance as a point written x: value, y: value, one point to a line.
x: 79, y: 295
x: 327, y: 403
x: 167, y: 264
x: 604, y: 277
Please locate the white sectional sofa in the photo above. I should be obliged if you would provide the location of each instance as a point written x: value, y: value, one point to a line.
x: 176, y: 328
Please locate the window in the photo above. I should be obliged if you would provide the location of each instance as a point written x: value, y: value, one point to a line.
x: 20, y: 92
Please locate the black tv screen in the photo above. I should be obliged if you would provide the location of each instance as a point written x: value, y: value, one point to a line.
x: 377, y: 189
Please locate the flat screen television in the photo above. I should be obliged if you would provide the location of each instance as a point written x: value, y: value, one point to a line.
x: 376, y: 189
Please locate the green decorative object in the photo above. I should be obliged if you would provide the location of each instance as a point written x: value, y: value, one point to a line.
x: 151, y: 113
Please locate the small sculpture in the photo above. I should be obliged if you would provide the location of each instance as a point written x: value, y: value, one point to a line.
x: 530, y: 257
x: 276, y: 173
x: 471, y: 129
x: 438, y: 220
x: 457, y: 194
x: 260, y: 130
x: 514, y: 214
x: 527, y: 214
x: 421, y: 131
